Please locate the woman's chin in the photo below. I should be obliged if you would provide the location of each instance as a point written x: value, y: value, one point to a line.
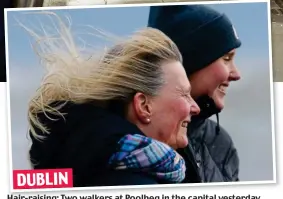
x: 219, y: 101
x: 182, y: 141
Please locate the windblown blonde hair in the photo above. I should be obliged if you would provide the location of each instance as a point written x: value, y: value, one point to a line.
x: 132, y: 65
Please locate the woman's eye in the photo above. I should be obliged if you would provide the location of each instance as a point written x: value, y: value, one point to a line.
x: 188, y: 96
x: 227, y: 58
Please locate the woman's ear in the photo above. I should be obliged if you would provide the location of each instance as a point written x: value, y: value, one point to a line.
x: 142, y: 107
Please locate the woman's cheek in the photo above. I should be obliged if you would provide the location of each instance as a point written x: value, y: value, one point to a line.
x: 222, y: 73
x: 185, y: 109
x: 179, y: 110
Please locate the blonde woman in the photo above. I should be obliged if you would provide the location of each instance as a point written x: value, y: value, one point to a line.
x: 115, y: 119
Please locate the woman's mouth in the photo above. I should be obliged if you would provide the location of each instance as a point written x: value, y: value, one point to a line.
x: 222, y: 88
x: 185, y: 124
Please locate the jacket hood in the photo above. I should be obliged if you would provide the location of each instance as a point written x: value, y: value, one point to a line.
x: 207, y: 109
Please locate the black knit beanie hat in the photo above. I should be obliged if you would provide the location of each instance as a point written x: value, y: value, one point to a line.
x: 202, y: 34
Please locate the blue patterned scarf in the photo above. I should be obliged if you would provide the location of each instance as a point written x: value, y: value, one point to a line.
x: 140, y: 153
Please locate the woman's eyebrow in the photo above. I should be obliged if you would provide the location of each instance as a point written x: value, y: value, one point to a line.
x: 231, y: 54
x: 184, y: 89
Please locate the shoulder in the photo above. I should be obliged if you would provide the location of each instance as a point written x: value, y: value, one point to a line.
x: 218, y: 150
x: 220, y: 145
x: 86, y: 133
x: 211, y: 135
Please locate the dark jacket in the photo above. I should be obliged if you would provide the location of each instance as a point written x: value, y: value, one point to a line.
x: 78, y: 143
x: 84, y: 141
x: 211, y: 155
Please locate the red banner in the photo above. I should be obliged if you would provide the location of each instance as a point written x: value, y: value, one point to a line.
x: 40, y: 179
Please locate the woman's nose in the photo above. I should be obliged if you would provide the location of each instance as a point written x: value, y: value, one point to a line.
x: 235, y: 74
x: 195, y: 110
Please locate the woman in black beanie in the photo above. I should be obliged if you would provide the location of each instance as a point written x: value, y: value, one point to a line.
x: 208, y: 41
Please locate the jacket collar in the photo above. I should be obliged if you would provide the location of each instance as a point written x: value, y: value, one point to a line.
x: 197, y: 125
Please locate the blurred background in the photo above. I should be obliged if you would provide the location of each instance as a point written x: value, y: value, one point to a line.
x: 276, y: 7
x: 247, y: 114
x: 277, y: 38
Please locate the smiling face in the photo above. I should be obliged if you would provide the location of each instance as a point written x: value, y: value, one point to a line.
x: 214, y: 79
x: 165, y: 117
